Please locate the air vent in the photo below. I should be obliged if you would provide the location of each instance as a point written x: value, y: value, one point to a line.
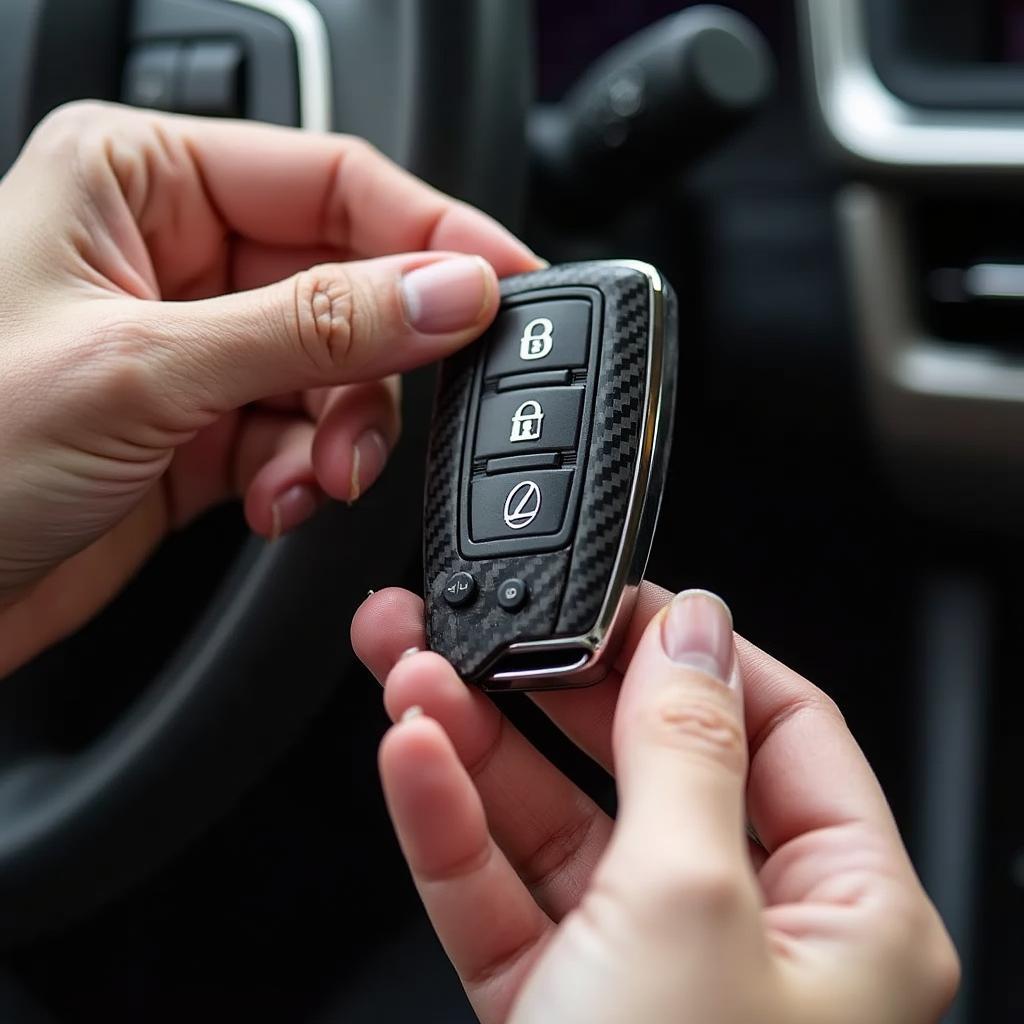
x: 970, y: 265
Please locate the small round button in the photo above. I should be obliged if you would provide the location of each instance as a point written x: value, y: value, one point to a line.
x: 512, y: 595
x: 460, y: 589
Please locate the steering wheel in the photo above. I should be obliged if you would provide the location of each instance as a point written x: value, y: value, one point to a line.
x: 442, y: 87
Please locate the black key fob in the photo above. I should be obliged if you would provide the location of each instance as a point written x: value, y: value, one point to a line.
x: 547, y: 462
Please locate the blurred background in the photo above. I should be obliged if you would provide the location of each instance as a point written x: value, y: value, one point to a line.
x: 834, y: 189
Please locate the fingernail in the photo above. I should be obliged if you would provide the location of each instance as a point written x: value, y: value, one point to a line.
x: 415, y: 711
x: 369, y: 456
x: 697, y: 631
x: 408, y: 653
x: 446, y: 296
x: 291, y: 509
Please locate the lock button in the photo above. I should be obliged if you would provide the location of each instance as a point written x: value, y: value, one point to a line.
x: 530, y: 420
x: 536, y: 336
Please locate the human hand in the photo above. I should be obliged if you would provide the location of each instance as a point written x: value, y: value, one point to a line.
x: 192, y: 310
x: 551, y: 911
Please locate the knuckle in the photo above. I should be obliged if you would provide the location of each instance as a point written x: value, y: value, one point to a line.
x: 701, y: 727
x: 828, y: 706
x: 116, y: 356
x: 62, y: 130
x: 327, y: 320
x: 357, y: 146
x: 72, y: 115
x: 560, y: 850
x: 77, y: 139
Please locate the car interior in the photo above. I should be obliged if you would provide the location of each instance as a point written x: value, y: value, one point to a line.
x: 191, y: 824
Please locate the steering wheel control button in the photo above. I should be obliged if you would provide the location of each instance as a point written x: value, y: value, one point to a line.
x: 151, y: 76
x: 526, y: 421
x: 519, y: 504
x: 459, y: 589
x: 551, y: 335
x: 512, y: 594
x: 211, y: 79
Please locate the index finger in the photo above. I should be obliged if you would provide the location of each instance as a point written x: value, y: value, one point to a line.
x: 281, y: 186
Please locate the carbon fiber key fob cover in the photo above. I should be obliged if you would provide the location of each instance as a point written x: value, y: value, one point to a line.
x: 547, y: 461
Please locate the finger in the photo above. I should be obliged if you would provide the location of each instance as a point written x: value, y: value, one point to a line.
x: 379, y: 639
x: 283, y: 187
x: 681, y: 757
x: 358, y: 427
x: 276, y: 460
x: 333, y: 324
x: 489, y: 925
x: 798, y: 739
x: 838, y: 875
x: 273, y: 472
x: 258, y: 454
x: 800, y: 748
x: 391, y: 621
x: 586, y: 716
x: 550, y: 830
x: 388, y: 623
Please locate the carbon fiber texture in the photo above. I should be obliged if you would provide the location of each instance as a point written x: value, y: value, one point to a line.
x: 614, y: 441
x: 470, y: 637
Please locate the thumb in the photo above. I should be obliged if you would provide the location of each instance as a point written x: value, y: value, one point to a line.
x: 332, y: 324
x: 681, y: 760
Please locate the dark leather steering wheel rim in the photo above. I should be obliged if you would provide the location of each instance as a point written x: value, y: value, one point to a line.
x: 76, y: 830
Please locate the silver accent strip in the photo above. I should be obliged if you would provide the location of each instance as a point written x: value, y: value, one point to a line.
x: 585, y: 659
x: 873, y: 125
x: 312, y: 54
x: 637, y: 531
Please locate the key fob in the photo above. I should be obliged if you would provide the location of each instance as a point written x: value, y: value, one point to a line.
x: 547, y: 461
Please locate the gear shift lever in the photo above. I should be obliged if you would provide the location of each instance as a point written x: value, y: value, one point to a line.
x: 648, y: 107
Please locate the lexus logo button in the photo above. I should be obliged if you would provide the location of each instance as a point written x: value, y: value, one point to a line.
x: 522, y: 505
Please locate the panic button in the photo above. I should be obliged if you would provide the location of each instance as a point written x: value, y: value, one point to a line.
x: 540, y: 336
x: 519, y: 504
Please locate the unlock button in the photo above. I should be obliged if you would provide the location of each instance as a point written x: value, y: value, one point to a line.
x: 539, y: 336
